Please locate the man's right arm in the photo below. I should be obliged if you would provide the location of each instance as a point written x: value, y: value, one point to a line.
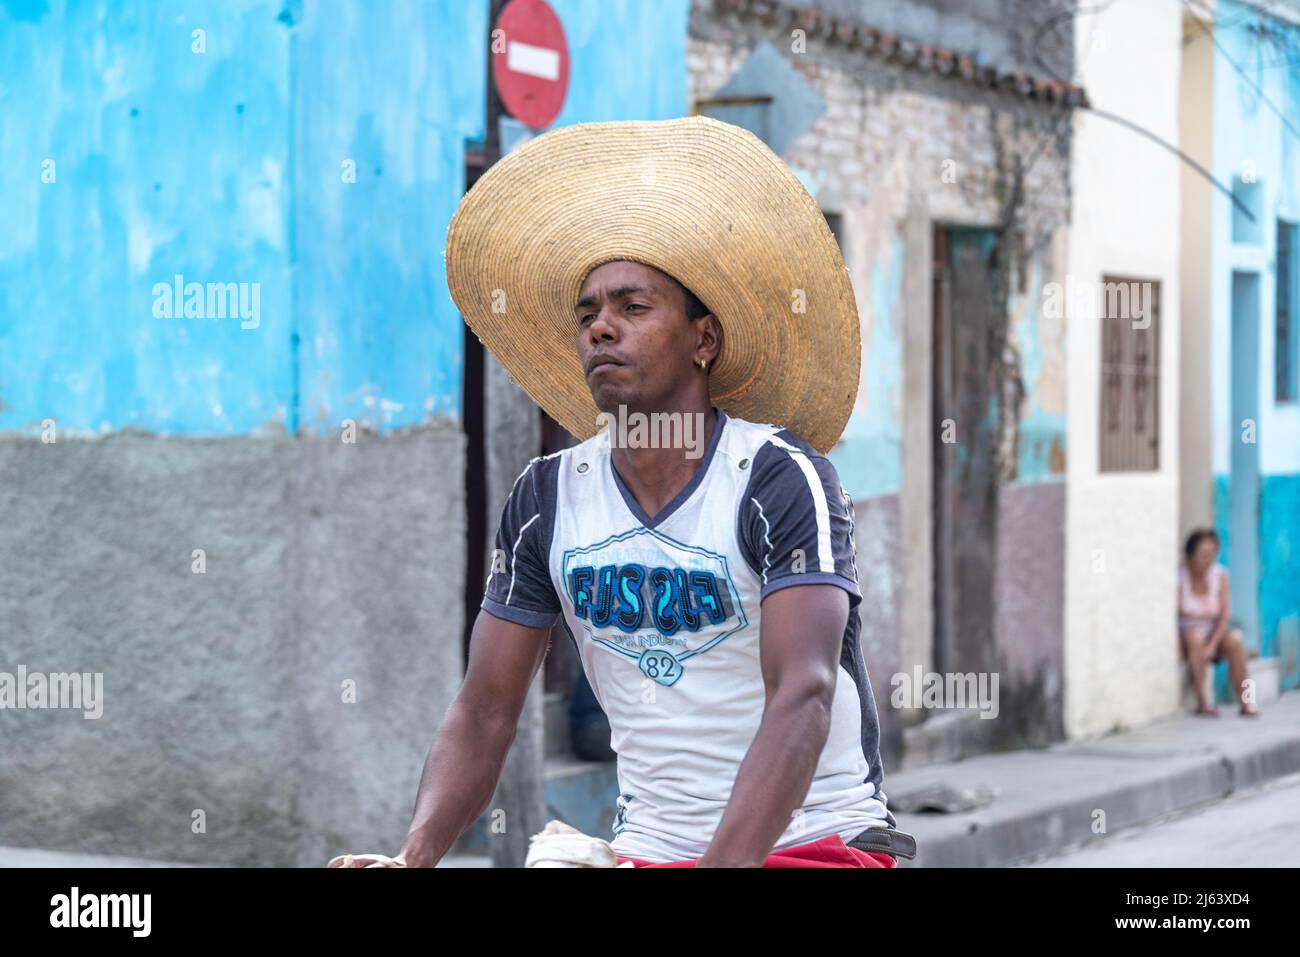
x: 506, y: 648
x: 470, y: 747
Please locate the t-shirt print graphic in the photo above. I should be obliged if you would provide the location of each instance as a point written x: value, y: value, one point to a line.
x: 653, y: 600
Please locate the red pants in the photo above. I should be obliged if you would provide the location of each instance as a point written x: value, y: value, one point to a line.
x: 828, y: 852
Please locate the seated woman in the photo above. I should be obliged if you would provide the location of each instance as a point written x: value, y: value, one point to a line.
x: 1204, y: 607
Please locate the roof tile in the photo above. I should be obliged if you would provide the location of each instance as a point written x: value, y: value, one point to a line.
x: 928, y: 58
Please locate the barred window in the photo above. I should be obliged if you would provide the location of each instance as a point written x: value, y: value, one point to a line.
x: 1130, y: 374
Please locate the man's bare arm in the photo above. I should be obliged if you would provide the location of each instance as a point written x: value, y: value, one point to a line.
x: 801, y: 635
x: 470, y: 747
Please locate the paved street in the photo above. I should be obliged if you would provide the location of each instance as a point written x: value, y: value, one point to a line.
x: 1256, y: 828
x: 36, y: 857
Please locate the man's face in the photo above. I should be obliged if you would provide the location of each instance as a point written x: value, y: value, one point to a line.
x: 634, y: 340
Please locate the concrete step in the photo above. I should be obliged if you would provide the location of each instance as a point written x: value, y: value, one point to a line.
x: 1267, y: 673
x: 947, y: 736
x: 1074, y: 793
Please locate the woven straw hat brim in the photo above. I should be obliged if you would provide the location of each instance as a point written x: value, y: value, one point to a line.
x: 701, y: 200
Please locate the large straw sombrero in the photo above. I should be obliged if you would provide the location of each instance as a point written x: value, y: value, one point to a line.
x: 703, y: 201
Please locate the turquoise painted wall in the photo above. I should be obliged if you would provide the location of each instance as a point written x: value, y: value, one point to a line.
x: 157, y: 161
x: 1278, y: 588
x: 1279, y: 580
x: 396, y: 89
x: 627, y: 59
x: 1042, y: 427
x: 869, y: 455
x: 218, y: 157
x: 1250, y: 139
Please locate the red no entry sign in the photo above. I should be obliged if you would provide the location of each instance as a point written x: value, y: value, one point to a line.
x: 530, y: 62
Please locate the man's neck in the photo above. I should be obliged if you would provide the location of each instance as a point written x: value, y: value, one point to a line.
x: 653, y: 475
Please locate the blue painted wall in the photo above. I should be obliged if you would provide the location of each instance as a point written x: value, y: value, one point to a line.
x: 1249, y: 138
x: 313, y: 151
x: 1278, y: 587
x: 396, y: 89
x: 627, y: 59
x: 1041, y: 453
x: 869, y: 455
x: 164, y: 161
x: 1279, y: 562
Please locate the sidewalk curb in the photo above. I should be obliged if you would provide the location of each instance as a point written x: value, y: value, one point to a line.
x: 1264, y: 764
x: 1102, y: 786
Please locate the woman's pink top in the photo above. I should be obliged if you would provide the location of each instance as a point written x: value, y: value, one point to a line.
x: 1200, y: 611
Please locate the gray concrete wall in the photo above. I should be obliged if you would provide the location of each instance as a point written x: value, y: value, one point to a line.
x: 1029, y: 614
x: 1029, y: 623
x: 877, y: 531
x: 326, y: 562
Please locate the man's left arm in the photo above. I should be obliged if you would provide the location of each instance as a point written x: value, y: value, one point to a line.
x: 802, y: 630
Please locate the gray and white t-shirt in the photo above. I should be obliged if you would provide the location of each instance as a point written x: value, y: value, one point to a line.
x: 665, y: 612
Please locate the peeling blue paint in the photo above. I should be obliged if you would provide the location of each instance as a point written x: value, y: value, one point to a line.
x: 154, y: 173
x: 381, y: 338
x: 1039, y: 429
x: 869, y: 456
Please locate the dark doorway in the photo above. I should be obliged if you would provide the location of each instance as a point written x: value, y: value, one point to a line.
x: 969, y: 323
x: 472, y: 418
